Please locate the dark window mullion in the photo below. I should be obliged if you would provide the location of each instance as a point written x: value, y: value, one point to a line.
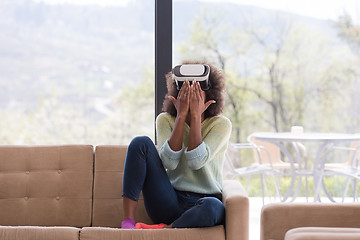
x: 163, y: 50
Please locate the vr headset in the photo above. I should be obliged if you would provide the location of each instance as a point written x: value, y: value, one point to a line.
x: 192, y: 72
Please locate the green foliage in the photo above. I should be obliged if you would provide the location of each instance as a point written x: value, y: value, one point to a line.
x: 281, y: 71
x: 114, y: 120
x: 349, y: 31
x: 281, y: 74
x: 63, y: 68
x: 335, y: 186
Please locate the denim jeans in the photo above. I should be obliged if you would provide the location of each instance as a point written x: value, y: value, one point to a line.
x: 144, y: 172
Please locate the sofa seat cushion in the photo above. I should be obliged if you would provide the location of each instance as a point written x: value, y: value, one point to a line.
x: 39, y: 233
x: 212, y: 233
x: 323, y: 233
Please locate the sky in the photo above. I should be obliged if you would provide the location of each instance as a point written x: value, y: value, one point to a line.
x: 88, y: 2
x: 323, y: 9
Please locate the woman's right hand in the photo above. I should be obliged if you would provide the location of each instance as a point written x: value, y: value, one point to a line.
x: 182, y: 102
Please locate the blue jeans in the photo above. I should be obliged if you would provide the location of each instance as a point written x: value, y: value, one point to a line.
x: 144, y: 172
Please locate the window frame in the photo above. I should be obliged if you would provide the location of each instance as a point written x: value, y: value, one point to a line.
x: 163, y: 50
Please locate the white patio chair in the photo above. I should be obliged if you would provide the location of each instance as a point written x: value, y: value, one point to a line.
x: 349, y: 169
x: 256, y: 168
x: 284, y: 168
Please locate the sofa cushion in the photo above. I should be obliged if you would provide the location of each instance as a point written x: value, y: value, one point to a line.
x: 46, y: 185
x: 39, y: 233
x: 96, y: 233
x: 323, y: 233
x: 108, y: 178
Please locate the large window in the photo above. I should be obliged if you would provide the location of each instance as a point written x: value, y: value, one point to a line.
x: 83, y: 72
x: 287, y: 62
x: 76, y: 71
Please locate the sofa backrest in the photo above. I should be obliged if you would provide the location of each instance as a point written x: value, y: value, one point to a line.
x: 108, y: 178
x: 46, y: 185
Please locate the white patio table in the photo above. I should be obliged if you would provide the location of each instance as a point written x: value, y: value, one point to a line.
x: 299, y: 167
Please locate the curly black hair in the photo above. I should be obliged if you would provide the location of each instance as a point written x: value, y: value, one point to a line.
x: 216, y: 92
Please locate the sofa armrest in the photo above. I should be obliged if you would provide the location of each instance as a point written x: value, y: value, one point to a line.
x: 236, y: 203
x: 278, y: 218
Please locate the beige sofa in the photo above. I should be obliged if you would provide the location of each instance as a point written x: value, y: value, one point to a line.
x: 74, y: 192
x: 310, y: 221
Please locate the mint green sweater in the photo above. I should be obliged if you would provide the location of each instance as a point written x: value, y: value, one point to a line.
x: 198, y: 170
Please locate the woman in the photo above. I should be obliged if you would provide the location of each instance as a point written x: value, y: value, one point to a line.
x: 182, y: 181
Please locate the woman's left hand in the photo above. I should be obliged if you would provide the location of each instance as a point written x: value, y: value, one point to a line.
x: 197, y: 100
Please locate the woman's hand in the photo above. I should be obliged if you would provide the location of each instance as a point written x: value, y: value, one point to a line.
x: 197, y: 100
x: 182, y: 102
x: 197, y: 107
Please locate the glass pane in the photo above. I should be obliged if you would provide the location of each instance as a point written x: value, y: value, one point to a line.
x: 75, y: 72
x: 287, y: 62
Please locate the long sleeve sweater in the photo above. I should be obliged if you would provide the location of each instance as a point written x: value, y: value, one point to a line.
x: 198, y: 170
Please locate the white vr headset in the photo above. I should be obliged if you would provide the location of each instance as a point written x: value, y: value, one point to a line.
x: 192, y: 72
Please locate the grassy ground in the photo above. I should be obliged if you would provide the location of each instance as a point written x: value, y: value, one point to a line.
x: 335, y: 185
